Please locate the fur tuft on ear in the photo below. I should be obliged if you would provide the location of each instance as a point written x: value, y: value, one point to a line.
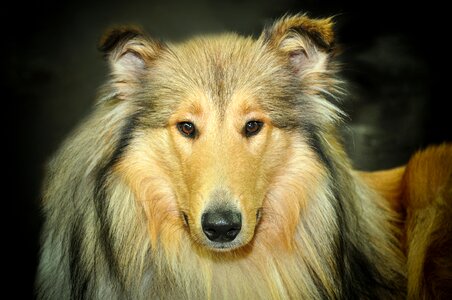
x: 129, y: 52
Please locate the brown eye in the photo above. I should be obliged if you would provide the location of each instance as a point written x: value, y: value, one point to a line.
x: 187, y: 129
x: 252, y: 128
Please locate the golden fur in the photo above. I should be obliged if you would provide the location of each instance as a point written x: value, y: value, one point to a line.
x: 422, y: 193
x: 126, y: 193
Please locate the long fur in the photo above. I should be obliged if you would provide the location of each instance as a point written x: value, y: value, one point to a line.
x: 124, y: 193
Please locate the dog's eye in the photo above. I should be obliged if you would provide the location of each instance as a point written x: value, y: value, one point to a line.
x: 252, y: 128
x: 187, y: 129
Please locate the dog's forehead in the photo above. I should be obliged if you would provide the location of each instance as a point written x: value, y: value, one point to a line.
x: 222, y: 65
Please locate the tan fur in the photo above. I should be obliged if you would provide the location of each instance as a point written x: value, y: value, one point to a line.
x: 125, y: 195
x: 388, y: 183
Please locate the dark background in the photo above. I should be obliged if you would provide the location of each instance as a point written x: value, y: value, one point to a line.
x: 396, y: 59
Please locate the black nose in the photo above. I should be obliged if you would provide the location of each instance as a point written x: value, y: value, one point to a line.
x: 221, y: 225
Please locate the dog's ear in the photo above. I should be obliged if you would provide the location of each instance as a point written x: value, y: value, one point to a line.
x: 307, y: 46
x: 129, y: 52
x: 307, y: 43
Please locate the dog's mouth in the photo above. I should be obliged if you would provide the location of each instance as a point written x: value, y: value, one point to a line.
x: 223, y: 247
x: 222, y: 231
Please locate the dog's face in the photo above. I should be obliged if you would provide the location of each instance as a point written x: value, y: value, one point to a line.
x: 226, y: 157
x: 222, y: 118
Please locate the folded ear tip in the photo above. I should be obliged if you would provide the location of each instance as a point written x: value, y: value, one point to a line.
x: 321, y: 31
x: 116, y: 35
x: 326, y: 29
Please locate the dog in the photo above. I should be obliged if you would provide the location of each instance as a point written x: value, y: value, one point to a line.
x: 213, y: 169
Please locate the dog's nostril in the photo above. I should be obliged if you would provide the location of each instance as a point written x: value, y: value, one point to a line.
x: 210, y: 231
x: 221, y: 225
x: 211, y: 234
x: 233, y: 233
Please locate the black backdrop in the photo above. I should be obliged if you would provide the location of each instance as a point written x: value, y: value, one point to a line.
x: 396, y: 60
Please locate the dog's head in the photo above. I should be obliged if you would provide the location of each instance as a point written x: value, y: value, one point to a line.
x: 226, y: 126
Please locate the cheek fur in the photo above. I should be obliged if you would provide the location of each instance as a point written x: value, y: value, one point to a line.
x: 294, y: 178
x: 151, y: 170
